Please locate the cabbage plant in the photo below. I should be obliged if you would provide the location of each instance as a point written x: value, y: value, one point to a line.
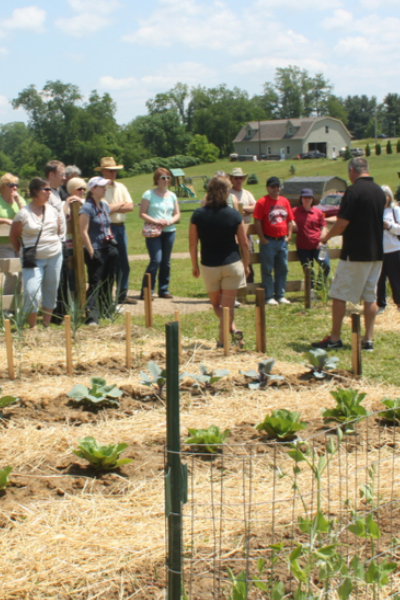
x: 262, y: 377
x: 321, y: 362
x: 100, y: 457
x: 348, y: 408
x: 282, y: 424
x: 207, y: 440
x: 4, y: 480
x: 207, y: 377
x: 157, y: 379
x: 99, y: 395
x: 393, y: 410
x: 6, y: 401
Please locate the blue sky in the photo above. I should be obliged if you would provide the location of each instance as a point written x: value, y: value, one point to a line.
x: 133, y: 50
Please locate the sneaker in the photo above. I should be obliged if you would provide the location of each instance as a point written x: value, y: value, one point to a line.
x: 380, y: 310
x: 271, y: 302
x: 237, y: 304
x: 328, y: 344
x: 312, y: 295
x: 284, y: 301
x: 128, y: 300
x: 368, y: 346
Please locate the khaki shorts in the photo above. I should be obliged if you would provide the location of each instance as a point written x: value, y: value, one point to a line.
x: 225, y: 277
x: 355, y: 281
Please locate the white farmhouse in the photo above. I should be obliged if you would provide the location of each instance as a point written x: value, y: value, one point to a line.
x: 287, y: 138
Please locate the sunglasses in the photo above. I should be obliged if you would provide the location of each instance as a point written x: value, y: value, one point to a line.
x: 11, y: 185
x: 46, y: 189
x: 237, y: 177
x: 275, y: 185
x: 165, y: 177
x: 81, y: 189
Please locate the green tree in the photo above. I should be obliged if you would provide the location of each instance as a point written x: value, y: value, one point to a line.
x: 361, y: 111
x: 163, y: 134
x: 389, y: 149
x: 398, y: 147
x: 378, y: 149
x: 348, y: 154
x: 390, y: 113
x: 200, y: 147
x: 336, y: 109
x: 367, y: 150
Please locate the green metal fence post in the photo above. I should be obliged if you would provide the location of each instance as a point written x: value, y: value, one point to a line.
x: 174, y: 514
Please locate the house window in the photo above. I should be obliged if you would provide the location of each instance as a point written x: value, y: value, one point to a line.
x: 249, y: 132
x: 326, y: 128
x: 290, y: 131
x: 287, y: 149
x: 247, y: 150
x: 269, y: 150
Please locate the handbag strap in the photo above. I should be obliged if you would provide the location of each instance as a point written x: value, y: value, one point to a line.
x: 40, y: 231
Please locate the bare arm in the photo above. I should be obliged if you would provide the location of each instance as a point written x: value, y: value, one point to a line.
x: 244, y: 247
x: 66, y: 206
x: 15, y: 234
x: 259, y: 231
x: 177, y: 214
x: 193, y: 244
x: 337, y: 229
x: 121, y: 207
x: 290, y: 231
x: 84, y: 228
x: 4, y: 221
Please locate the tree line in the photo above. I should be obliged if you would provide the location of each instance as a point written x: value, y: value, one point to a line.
x: 197, y: 121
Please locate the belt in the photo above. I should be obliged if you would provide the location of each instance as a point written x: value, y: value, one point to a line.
x: 118, y: 224
x: 271, y: 237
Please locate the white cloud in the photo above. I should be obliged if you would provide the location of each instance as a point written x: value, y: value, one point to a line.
x: 374, y: 39
x: 374, y: 4
x: 341, y: 20
x: 110, y: 83
x: 103, y: 7
x: 30, y: 18
x: 82, y: 24
x: 297, y: 6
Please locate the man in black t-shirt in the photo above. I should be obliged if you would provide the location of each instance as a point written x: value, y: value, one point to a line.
x: 360, y: 220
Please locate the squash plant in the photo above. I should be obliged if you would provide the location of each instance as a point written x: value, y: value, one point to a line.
x: 6, y: 401
x: 262, y: 377
x: 392, y: 413
x: 99, y: 395
x: 100, y: 457
x: 348, y: 409
x: 321, y: 362
x: 4, y: 480
x: 282, y: 424
x: 207, y: 440
x: 207, y: 377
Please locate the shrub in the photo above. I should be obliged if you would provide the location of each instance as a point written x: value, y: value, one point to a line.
x: 347, y: 154
x: 378, y: 149
x: 200, y: 147
x: 367, y: 150
x: 398, y: 147
x: 389, y: 147
x: 173, y: 162
x: 252, y: 179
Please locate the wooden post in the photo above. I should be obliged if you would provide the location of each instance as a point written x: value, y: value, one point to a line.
x: 226, y: 329
x: 258, y: 329
x: 260, y: 303
x: 307, y: 285
x: 356, y: 344
x: 128, y: 339
x: 78, y: 259
x: 9, y: 346
x: 148, y: 308
x: 68, y: 343
x: 177, y: 319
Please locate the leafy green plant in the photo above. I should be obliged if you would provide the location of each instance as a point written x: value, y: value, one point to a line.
x: 4, y: 480
x: 99, y: 395
x: 6, y: 401
x: 100, y: 457
x: 207, y: 378
x: 157, y: 379
x: 282, y: 424
x: 348, y: 408
x: 321, y: 362
x: 393, y: 410
x: 262, y: 377
x: 207, y: 440
x: 241, y: 585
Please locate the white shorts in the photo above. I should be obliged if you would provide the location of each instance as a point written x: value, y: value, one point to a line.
x: 355, y: 281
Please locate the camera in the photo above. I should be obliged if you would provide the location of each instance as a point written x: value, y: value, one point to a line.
x: 110, y: 239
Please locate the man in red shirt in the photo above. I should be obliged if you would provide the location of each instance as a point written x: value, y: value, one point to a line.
x: 273, y: 218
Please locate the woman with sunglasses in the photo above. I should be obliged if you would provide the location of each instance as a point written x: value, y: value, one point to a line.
x: 160, y: 207
x: 10, y: 204
x: 76, y: 189
x: 39, y: 224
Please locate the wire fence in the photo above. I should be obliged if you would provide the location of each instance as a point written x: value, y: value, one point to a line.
x: 319, y: 516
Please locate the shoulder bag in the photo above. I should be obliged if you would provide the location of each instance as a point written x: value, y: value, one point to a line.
x: 29, y: 253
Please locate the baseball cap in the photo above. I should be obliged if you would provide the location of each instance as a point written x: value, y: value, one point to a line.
x: 273, y: 181
x: 97, y: 181
x: 307, y: 192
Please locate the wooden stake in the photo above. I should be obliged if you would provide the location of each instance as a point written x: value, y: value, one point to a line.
x: 258, y: 329
x: 128, y: 339
x: 177, y: 319
x: 307, y: 286
x: 9, y: 346
x: 68, y: 343
x: 226, y: 318
x: 148, y: 308
x: 356, y: 344
x: 260, y: 303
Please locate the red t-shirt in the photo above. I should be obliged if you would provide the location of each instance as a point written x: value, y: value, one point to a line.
x: 274, y: 215
x: 309, y: 225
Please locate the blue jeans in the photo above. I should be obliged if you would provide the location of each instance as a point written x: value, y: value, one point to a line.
x: 307, y: 258
x: 123, y: 269
x: 42, y: 281
x: 160, y: 249
x: 274, y: 257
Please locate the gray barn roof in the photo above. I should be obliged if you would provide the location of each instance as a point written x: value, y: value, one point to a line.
x: 268, y: 131
x: 318, y: 184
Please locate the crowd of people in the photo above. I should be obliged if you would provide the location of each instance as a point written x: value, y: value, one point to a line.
x: 39, y: 235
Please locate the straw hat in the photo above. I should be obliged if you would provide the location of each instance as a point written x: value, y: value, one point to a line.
x: 108, y: 162
x: 237, y: 172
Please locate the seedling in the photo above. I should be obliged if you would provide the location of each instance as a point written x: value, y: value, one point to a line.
x: 4, y: 480
x: 6, y: 401
x: 102, y: 458
x: 158, y: 377
x: 393, y: 412
x: 321, y: 362
x: 207, y: 440
x: 348, y: 409
x: 282, y: 424
x: 207, y: 378
x: 262, y: 377
x: 99, y: 395
x: 241, y: 585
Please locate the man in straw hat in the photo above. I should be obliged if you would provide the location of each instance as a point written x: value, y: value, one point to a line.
x: 247, y: 201
x: 116, y: 192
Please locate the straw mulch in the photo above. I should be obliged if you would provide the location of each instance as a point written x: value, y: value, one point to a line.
x: 77, y: 536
